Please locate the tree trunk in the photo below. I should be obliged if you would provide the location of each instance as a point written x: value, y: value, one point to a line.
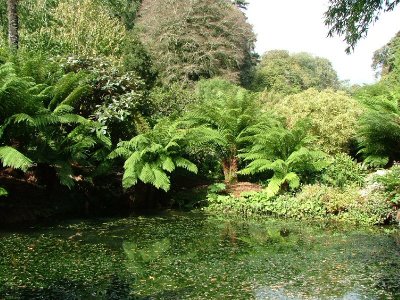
x: 13, y: 37
x: 145, y: 197
x: 230, y: 168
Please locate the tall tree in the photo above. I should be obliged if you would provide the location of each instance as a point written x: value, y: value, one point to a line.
x: 387, y: 59
x: 13, y: 36
x: 287, y: 73
x: 190, y: 40
x: 352, y: 18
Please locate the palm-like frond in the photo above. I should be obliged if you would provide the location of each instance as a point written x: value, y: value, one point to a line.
x: 11, y: 157
x: 69, y: 90
x: 151, y: 156
x: 284, y: 152
x: 379, y: 133
x: 3, y: 192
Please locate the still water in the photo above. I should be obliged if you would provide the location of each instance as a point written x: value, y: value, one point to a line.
x: 194, y: 256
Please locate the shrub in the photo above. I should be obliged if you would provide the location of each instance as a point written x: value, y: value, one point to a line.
x: 334, y: 116
x: 170, y: 100
x: 343, y: 171
x: 81, y: 27
x: 391, y: 185
x: 314, y: 202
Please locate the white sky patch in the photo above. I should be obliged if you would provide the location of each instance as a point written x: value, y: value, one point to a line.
x: 298, y: 26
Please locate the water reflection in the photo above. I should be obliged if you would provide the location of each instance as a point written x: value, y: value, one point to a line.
x: 200, y: 257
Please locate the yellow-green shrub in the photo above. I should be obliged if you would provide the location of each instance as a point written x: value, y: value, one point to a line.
x: 78, y: 27
x: 334, y: 116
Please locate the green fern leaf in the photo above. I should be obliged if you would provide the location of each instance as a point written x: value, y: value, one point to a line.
x: 11, y: 157
x: 293, y: 179
x: 76, y: 96
x: 147, y: 174
x: 3, y: 192
x: 129, y: 180
x: 168, y: 164
x: 186, y: 164
x: 64, y: 172
x: 161, y: 180
x: 274, y: 186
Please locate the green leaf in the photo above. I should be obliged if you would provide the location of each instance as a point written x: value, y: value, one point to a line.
x: 11, y: 157
x: 3, y: 192
x: 293, y: 180
x: 147, y: 174
x: 186, y: 164
x: 168, y: 164
x: 129, y: 180
x: 161, y: 180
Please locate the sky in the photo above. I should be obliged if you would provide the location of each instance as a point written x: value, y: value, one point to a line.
x: 298, y: 26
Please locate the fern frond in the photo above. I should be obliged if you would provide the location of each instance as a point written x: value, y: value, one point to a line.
x: 64, y: 172
x: 292, y: 179
x: 168, y: 164
x: 119, y: 152
x: 161, y: 180
x: 256, y: 166
x: 11, y: 157
x: 186, y: 164
x: 65, y: 86
x: 3, y: 192
x: 147, y: 174
x: 76, y: 96
x: 22, y: 118
x: 72, y: 119
x: 274, y: 186
x: 63, y: 109
x: 129, y: 180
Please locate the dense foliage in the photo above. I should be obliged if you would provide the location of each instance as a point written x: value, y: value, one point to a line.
x: 281, y: 72
x: 190, y: 40
x: 141, y: 100
x: 352, y: 18
x: 333, y: 115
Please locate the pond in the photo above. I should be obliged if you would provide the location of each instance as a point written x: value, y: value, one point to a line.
x: 194, y: 256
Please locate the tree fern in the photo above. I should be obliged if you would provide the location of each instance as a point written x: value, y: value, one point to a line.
x: 31, y: 133
x: 229, y: 111
x: 284, y: 152
x: 152, y: 156
x: 379, y: 133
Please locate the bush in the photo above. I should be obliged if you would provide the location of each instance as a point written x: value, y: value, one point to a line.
x: 314, y: 202
x: 82, y: 27
x: 334, y: 116
x: 343, y: 171
x: 391, y: 185
x: 170, y: 100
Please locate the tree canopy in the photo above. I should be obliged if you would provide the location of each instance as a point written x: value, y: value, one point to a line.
x: 387, y: 59
x: 352, y: 18
x: 190, y: 40
x: 287, y: 73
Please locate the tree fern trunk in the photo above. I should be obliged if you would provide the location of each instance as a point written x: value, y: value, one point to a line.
x: 145, y: 197
x: 13, y: 37
x: 230, y: 168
